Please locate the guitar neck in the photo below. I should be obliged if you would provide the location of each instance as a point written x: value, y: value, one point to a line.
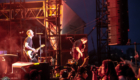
x: 38, y: 48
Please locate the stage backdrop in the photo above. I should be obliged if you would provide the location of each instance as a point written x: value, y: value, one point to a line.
x: 72, y: 23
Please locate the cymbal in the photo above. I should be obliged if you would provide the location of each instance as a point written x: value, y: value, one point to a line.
x: 4, y: 55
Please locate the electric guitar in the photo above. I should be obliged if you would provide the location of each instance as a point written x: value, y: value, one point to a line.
x: 31, y: 54
x: 79, y: 55
x: 74, y: 51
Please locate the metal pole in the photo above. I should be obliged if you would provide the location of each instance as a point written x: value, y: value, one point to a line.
x: 40, y: 46
x: 135, y: 53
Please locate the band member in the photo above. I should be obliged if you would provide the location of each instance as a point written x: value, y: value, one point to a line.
x: 78, y: 48
x: 27, y: 46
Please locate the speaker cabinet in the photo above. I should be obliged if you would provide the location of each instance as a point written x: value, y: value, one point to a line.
x: 117, y: 22
x: 28, y: 70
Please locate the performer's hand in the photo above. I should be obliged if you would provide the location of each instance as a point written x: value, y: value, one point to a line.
x: 136, y: 56
x: 33, y: 50
x: 36, y: 50
x: 36, y: 54
x: 81, y: 54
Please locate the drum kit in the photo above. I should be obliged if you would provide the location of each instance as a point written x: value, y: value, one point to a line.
x: 6, y: 61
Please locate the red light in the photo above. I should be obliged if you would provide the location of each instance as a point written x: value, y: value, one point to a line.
x: 128, y: 30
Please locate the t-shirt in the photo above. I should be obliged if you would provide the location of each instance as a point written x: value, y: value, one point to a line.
x: 29, y: 41
x: 78, y: 43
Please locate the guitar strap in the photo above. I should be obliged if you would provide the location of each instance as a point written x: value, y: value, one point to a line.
x: 25, y: 54
x: 24, y: 50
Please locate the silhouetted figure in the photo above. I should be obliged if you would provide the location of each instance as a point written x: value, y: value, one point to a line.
x: 64, y: 74
x: 81, y: 74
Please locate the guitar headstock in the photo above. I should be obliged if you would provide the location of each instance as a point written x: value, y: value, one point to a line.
x: 42, y: 45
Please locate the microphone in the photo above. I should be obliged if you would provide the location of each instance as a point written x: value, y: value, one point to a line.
x: 39, y: 33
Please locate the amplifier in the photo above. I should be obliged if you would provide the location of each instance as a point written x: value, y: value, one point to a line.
x: 29, y: 70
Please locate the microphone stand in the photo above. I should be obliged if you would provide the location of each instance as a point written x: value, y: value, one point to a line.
x: 71, y: 41
x: 39, y: 43
x: 135, y: 52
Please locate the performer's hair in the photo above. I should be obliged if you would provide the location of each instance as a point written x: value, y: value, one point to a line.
x: 28, y: 31
x: 84, y: 38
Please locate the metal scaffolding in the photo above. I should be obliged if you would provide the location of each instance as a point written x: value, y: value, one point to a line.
x: 102, y: 30
x: 53, y: 27
x: 46, y: 13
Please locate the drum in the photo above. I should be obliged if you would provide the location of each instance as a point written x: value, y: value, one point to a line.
x: 6, y: 61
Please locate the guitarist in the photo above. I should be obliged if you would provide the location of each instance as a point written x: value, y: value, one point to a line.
x: 27, y: 45
x: 78, y: 49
